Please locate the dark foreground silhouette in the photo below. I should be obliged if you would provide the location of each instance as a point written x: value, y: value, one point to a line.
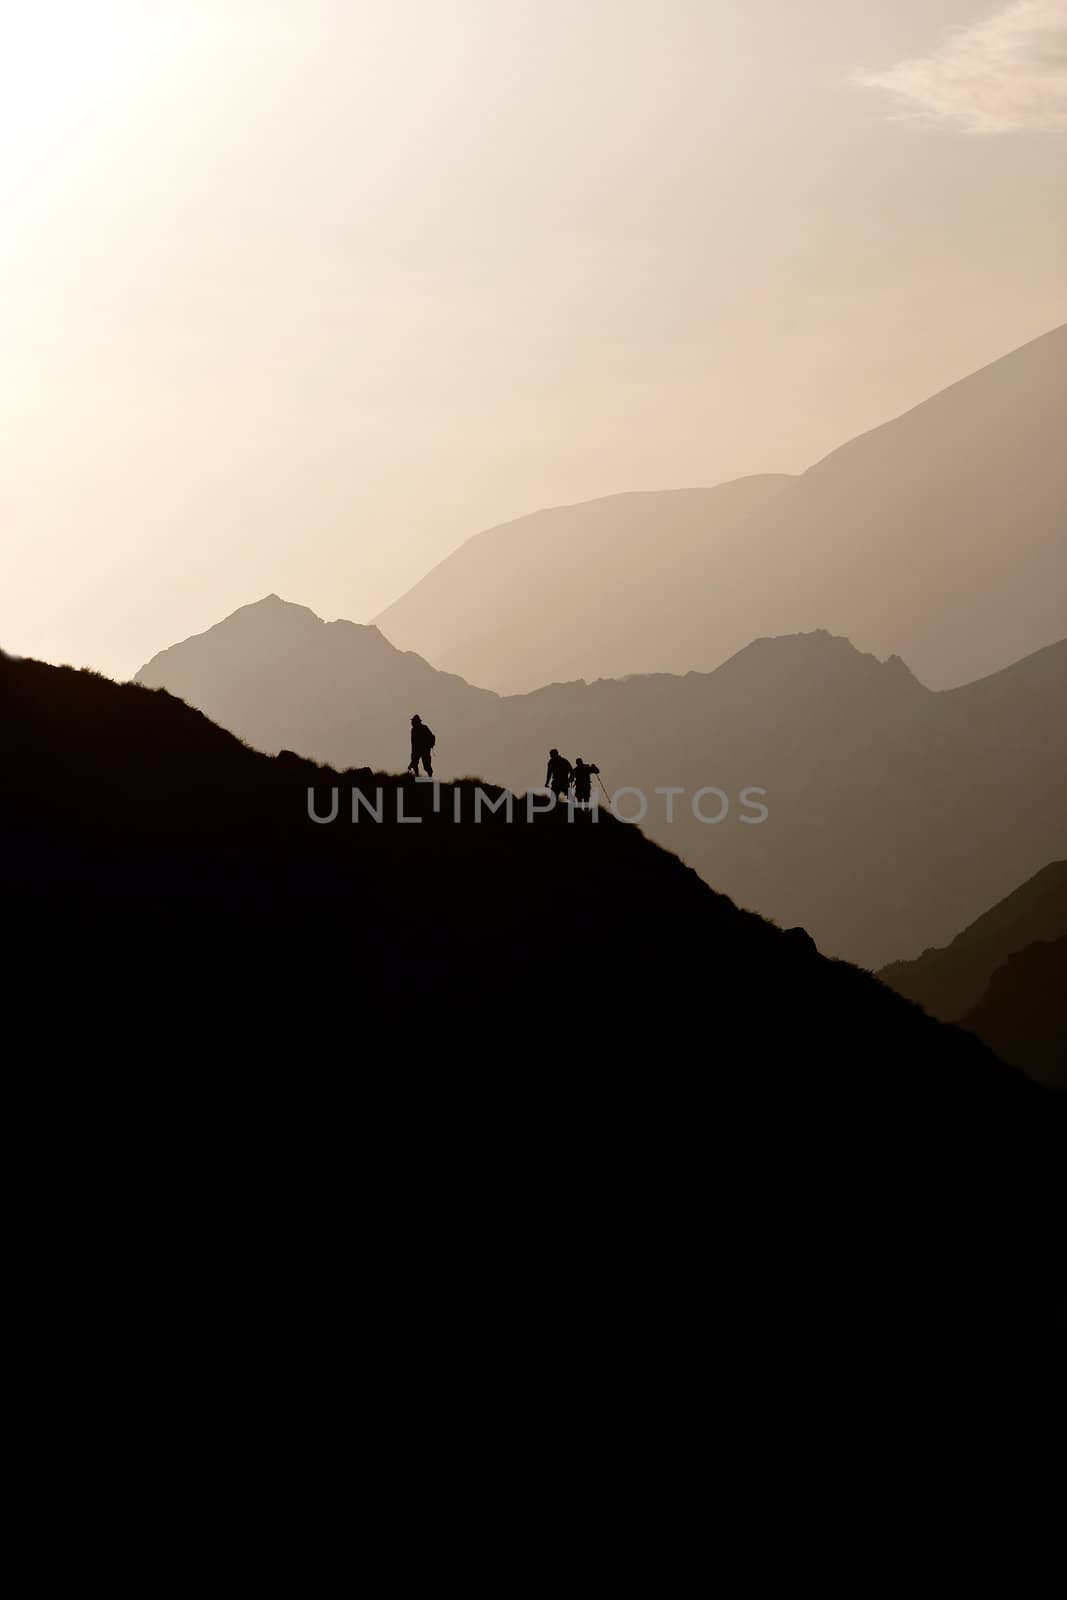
x: 750, y: 1135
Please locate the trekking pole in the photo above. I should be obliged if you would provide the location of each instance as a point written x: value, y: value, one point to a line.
x: 607, y: 796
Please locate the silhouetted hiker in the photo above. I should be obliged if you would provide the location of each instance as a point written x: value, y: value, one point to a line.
x: 583, y: 781
x: 558, y: 776
x: 422, y: 743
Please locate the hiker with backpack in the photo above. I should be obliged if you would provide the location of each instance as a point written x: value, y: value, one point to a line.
x: 558, y: 775
x: 422, y: 743
x: 583, y: 781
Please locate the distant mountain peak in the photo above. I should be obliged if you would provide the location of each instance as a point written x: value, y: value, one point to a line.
x: 270, y: 624
x: 819, y: 650
x: 271, y: 604
x: 274, y: 609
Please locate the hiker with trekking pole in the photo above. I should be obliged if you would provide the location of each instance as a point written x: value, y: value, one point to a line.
x: 584, y: 774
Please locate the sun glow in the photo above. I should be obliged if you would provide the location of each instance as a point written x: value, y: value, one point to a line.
x: 66, y: 68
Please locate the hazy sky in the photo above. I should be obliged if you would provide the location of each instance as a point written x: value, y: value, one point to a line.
x: 295, y: 295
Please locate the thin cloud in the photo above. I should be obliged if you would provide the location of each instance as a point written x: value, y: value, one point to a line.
x: 1005, y: 74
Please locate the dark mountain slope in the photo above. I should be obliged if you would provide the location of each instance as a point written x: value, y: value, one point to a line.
x: 939, y: 535
x: 896, y: 815
x: 1023, y: 1012
x: 948, y: 982
x: 94, y: 766
x: 876, y: 1181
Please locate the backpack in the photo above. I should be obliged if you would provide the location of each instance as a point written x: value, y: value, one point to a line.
x: 429, y: 736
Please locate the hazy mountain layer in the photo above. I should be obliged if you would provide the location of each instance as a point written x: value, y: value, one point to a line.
x: 941, y: 535
x: 896, y: 815
x: 1023, y: 1013
x: 950, y: 981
